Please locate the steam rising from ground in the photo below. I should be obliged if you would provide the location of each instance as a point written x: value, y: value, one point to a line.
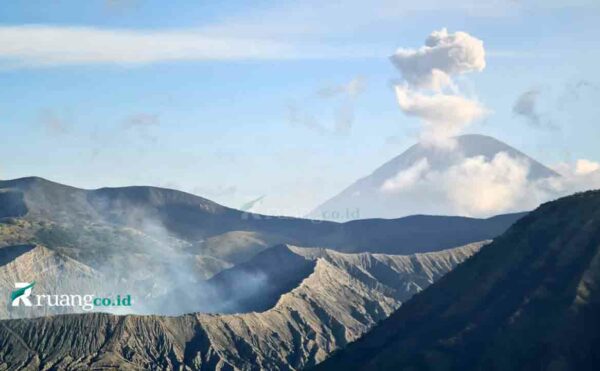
x: 166, y: 277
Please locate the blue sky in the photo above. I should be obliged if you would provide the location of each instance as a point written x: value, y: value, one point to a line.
x: 198, y: 95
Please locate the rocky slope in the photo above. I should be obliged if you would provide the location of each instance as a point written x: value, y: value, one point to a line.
x: 528, y: 301
x: 51, y: 271
x: 342, y: 297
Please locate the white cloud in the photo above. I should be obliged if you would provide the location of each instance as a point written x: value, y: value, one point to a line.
x: 585, y: 167
x: 583, y: 175
x: 299, y: 29
x: 57, y: 45
x: 443, y: 56
x: 480, y: 187
x: 443, y: 115
x: 471, y: 186
x: 406, y: 179
x: 428, y: 76
x: 320, y: 19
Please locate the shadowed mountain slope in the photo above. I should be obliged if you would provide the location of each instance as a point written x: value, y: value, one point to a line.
x: 529, y: 300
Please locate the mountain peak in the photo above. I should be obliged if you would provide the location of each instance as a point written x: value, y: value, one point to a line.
x: 405, y: 185
x: 468, y: 145
x: 477, y: 137
x: 29, y: 181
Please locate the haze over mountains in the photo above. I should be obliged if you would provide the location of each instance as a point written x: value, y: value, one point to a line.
x: 471, y: 178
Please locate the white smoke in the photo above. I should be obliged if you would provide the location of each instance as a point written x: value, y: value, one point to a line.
x: 160, y: 271
x: 472, y: 186
x: 443, y: 115
x: 429, y: 91
x: 443, y: 56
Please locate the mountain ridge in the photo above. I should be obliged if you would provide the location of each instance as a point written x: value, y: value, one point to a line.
x: 528, y: 300
x: 195, y: 224
x: 343, y: 296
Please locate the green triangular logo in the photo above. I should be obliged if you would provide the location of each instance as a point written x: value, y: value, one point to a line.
x: 20, y: 291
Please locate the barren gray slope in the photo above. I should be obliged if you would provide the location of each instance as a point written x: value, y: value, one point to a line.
x: 52, y: 272
x: 344, y: 296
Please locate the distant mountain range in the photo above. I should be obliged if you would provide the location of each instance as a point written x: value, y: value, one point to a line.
x: 530, y: 300
x: 385, y: 193
x: 116, y: 229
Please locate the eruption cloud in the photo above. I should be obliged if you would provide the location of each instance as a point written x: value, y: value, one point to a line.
x: 428, y: 90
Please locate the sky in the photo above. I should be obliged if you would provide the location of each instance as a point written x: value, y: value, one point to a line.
x: 288, y: 102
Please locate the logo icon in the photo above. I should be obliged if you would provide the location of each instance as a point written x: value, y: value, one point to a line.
x: 21, y: 294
